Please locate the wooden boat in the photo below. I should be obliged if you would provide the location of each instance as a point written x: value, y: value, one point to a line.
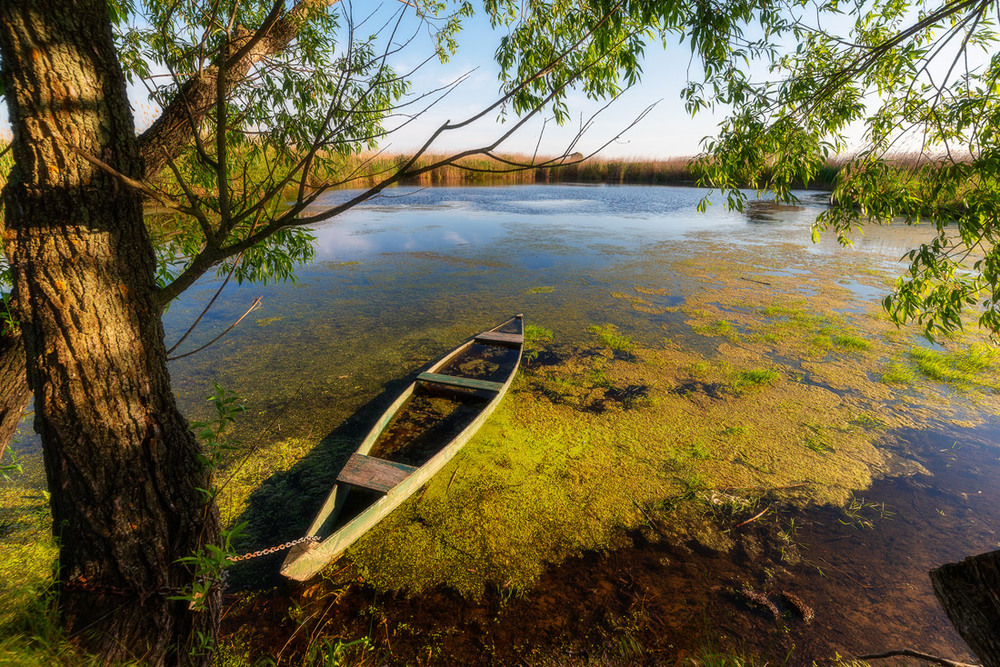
x: 420, y: 432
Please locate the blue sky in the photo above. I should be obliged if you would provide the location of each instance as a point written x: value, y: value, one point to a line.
x: 667, y: 131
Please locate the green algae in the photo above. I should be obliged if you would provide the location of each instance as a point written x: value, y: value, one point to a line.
x: 563, y: 467
x: 784, y: 397
x: 591, y: 445
x: 545, y: 289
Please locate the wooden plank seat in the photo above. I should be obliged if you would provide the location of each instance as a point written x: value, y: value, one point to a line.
x: 373, y: 473
x: 463, y: 383
x: 497, y: 338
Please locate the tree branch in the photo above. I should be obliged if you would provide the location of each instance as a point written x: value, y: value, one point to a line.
x: 177, y: 124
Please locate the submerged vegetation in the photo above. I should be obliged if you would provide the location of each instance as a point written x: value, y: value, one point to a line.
x: 699, y: 392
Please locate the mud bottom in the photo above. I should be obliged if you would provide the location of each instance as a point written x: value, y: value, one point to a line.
x: 798, y: 586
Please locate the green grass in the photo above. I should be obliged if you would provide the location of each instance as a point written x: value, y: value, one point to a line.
x: 896, y: 373
x: 792, y: 315
x: 700, y: 451
x: 544, y: 289
x: 866, y: 420
x: 30, y: 633
x: 964, y: 368
x: 853, y: 343
x: 534, y: 334
x: 718, y: 328
x: 753, y: 379
x: 609, y: 336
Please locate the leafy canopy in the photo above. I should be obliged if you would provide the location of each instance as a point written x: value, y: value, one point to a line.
x: 920, y: 80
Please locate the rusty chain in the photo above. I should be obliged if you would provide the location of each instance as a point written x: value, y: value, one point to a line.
x: 271, y: 550
x: 83, y: 584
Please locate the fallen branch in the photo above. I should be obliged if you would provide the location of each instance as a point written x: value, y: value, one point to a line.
x: 910, y: 653
x: 652, y: 523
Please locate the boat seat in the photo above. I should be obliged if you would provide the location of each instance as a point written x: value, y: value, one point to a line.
x: 498, y: 338
x: 373, y: 473
x: 455, y: 381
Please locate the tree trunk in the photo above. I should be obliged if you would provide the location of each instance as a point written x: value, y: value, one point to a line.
x: 970, y: 594
x: 14, y: 390
x: 123, y: 467
x: 171, y: 131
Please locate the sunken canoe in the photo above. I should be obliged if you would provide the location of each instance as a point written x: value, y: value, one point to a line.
x: 418, y: 435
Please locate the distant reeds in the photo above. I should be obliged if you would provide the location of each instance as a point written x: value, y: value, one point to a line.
x: 520, y: 169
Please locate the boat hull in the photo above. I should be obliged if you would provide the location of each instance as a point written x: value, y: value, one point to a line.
x: 306, y: 560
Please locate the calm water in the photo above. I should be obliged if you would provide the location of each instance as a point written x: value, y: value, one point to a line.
x: 399, y: 281
x: 411, y: 274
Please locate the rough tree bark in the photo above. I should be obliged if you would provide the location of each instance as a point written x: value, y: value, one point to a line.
x: 122, y: 465
x: 969, y: 591
x: 171, y: 131
x: 14, y: 390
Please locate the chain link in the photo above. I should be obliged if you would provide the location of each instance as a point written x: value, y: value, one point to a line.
x: 82, y: 582
x: 271, y: 550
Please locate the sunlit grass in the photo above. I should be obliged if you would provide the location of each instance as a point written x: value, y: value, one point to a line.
x: 753, y: 379
x: 30, y: 633
x: 897, y: 373
x: 718, y: 328
x: 963, y: 367
x: 851, y: 342
x: 609, y: 336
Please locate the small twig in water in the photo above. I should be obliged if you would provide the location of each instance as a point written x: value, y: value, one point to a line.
x: 753, y: 518
x: 648, y: 518
x: 452, y: 479
x: 751, y: 280
x: 910, y: 653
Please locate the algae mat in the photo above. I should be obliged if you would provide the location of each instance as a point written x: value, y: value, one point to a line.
x: 693, y: 368
x: 765, y: 391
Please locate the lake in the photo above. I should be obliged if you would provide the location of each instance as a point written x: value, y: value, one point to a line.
x: 767, y: 467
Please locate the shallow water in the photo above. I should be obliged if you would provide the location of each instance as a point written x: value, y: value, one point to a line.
x: 413, y: 274
x: 862, y: 574
x: 400, y: 281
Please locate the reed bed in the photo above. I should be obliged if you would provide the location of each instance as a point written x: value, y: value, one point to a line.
x: 521, y: 169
